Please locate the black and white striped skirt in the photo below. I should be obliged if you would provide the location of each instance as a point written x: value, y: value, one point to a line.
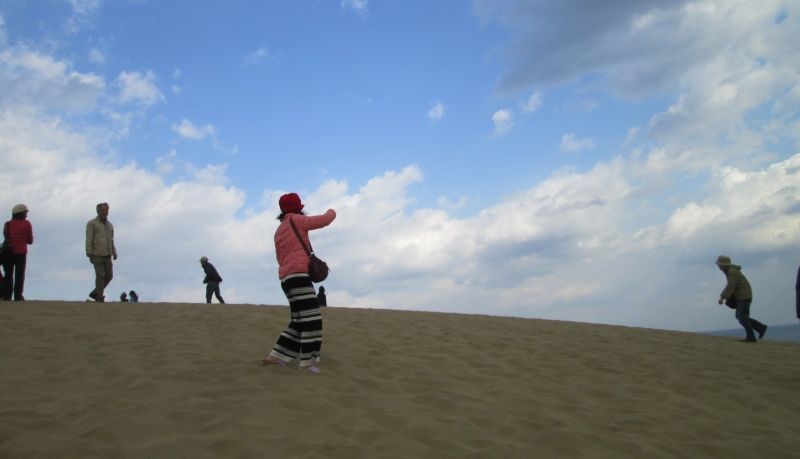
x: 302, y: 338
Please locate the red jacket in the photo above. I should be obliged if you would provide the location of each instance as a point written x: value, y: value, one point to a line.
x: 292, y: 258
x: 19, y: 233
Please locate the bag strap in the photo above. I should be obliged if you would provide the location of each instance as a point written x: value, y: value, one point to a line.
x: 308, y: 249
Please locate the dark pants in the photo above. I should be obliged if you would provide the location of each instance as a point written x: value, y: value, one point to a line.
x: 743, y: 316
x: 103, y: 273
x: 14, y: 281
x: 213, y: 288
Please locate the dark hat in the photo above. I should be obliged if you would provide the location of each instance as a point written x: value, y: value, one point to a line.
x: 290, y: 203
x: 723, y: 260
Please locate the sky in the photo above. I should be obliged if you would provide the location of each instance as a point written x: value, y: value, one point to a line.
x: 572, y: 160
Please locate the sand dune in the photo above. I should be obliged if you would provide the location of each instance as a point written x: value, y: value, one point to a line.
x: 183, y: 380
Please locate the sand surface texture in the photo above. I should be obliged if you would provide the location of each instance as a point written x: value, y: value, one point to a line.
x: 184, y: 380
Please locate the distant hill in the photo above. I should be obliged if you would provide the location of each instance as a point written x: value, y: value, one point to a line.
x: 790, y: 333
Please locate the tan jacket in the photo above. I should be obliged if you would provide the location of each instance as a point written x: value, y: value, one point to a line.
x: 100, y: 238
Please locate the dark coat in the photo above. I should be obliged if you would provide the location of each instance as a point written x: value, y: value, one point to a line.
x: 797, y: 293
x: 211, y: 273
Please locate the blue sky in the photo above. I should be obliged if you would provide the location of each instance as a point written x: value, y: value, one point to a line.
x: 564, y: 160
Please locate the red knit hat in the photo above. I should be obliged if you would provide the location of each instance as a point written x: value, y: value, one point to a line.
x: 290, y: 203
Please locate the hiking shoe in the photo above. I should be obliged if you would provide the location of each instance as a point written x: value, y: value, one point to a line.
x: 762, y: 332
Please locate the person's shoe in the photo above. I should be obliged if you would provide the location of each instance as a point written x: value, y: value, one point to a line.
x: 748, y: 340
x: 314, y: 370
x: 93, y: 295
x: 271, y: 361
x: 101, y: 299
x: 19, y: 298
x: 762, y: 332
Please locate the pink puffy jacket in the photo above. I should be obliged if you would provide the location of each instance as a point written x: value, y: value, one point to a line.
x: 292, y: 258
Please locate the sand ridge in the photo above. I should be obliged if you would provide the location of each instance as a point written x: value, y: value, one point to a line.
x: 183, y: 380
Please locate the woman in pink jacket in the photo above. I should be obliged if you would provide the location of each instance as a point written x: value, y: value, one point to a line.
x: 302, y: 338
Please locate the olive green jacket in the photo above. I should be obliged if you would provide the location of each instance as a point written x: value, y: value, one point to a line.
x: 737, y: 288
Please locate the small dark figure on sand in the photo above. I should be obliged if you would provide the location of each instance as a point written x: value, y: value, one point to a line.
x: 211, y: 280
x: 321, y: 298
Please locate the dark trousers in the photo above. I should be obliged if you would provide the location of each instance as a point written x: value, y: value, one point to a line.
x: 14, y: 281
x: 749, y: 324
x: 213, y: 288
x: 103, y: 273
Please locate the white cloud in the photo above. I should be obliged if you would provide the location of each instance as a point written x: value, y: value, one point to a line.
x: 166, y: 164
x: 762, y: 205
x: 3, y: 37
x: 631, y: 136
x: 257, y: 56
x: 359, y: 6
x: 82, y: 14
x: 33, y: 78
x: 139, y: 88
x: 448, y: 204
x: 503, y: 122
x: 639, y: 46
x: 436, y: 112
x: 571, y: 144
x: 96, y: 56
x: 533, y: 103
x: 188, y: 130
x: 84, y: 7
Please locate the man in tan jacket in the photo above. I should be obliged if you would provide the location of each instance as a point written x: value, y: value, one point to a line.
x: 100, y: 250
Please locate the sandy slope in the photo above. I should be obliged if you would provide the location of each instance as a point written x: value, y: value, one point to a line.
x: 183, y: 380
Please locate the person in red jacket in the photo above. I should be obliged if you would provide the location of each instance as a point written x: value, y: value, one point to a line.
x: 19, y: 233
x: 302, y: 338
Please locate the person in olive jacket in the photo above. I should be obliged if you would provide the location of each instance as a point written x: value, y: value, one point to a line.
x: 738, y: 294
x: 100, y: 250
x: 211, y: 280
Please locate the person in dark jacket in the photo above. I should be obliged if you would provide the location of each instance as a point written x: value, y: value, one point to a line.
x: 797, y: 293
x: 321, y: 298
x: 19, y: 233
x: 738, y: 294
x: 211, y: 280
